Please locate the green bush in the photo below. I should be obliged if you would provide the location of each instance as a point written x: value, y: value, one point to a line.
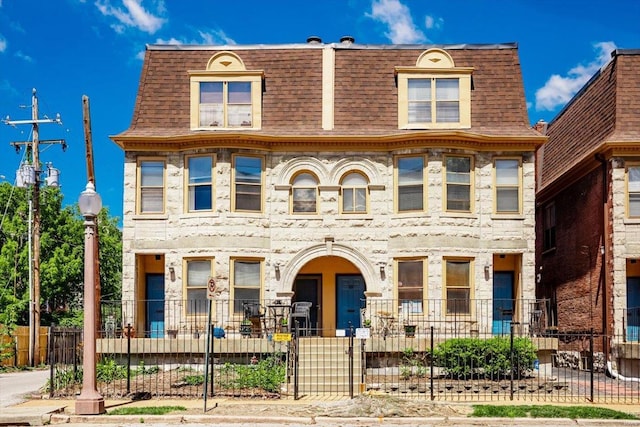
x: 267, y: 374
x: 108, y: 370
x: 467, y: 357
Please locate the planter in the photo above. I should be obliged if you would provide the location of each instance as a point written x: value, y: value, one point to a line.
x: 410, y: 331
x: 245, y: 329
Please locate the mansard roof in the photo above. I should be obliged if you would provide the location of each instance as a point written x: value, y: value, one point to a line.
x: 365, y: 91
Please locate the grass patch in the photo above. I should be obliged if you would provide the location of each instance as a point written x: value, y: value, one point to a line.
x: 146, y: 410
x: 549, y: 411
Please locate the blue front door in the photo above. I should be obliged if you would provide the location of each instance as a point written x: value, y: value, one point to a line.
x: 633, y: 308
x: 349, y: 300
x: 155, y: 305
x: 502, y: 302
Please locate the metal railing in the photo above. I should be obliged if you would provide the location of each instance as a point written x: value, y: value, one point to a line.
x: 504, y: 350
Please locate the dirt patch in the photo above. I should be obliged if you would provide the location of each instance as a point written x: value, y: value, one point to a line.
x: 361, y: 406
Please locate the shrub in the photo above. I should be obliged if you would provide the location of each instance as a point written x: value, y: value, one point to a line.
x: 108, y: 370
x: 466, y: 357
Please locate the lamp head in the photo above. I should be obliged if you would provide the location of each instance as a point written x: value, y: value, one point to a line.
x: 89, y: 201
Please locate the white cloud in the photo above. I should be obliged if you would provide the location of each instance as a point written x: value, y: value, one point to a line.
x: 397, y: 17
x: 23, y: 56
x: 559, y: 90
x: 432, y: 23
x: 3, y: 44
x: 133, y: 15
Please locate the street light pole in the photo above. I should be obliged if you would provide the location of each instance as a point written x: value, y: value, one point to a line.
x: 90, y: 402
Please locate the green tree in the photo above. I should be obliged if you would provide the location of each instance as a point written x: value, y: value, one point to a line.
x: 61, y: 259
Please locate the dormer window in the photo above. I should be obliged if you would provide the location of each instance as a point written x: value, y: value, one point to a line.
x: 225, y: 95
x: 434, y: 94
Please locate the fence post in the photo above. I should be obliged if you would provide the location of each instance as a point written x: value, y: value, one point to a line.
x: 295, y: 361
x: 431, y: 366
x: 351, y: 360
x: 128, y: 358
x: 512, y: 363
x: 52, y: 360
x: 591, y: 363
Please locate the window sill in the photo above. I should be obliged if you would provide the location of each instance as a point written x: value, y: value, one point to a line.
x: 152, y: 217
x: 498, y: 216
x: 304, y: 217
x: 410, y: 214
x: 220, y: 128
x: 459, y: 215
x: 346, y: 217
x: 245, y: 214
x: 199, y: 214
x: 631, y: 221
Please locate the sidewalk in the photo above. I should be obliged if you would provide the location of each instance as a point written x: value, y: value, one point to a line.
x: 308, y: 411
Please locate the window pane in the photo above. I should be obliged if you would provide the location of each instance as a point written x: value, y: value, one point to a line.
x: 242, y: 295
x: 151, y: 200
x: 200, y: 198
x: 246, y: 273
x: 447, y: 90
x: 634, y: 204
x: 211, y: 115
x: 347, y: 200
x: 211, y: 93
x: 410, y: 274
x: 197, y: 301
x: 507, y: 172
x: 458, y: 197
x: 152, y: 173
x: 304, y: 199
x: 239, y: 92
x: 458, y: 273
x: 361, y: 200
x: 419, y: 89
x: 354, y: 179
x: 198, y: 273
x: 305, y: 180
x: 458, y: 168
x: 410, y: 170
x: 248, y: 169
x: 246, y: 202
x: 410, y: 198
x: 419, y: 112
x: 507, y: 200
x: 447, y: 112
x: 239, y: 115
x: 458, y: 301
x: 200, y: 170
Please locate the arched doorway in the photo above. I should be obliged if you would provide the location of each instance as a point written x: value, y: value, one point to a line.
x: 336, y: 288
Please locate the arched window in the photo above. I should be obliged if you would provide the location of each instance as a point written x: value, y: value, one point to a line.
x: 354, y: 193
x: 304, y: 193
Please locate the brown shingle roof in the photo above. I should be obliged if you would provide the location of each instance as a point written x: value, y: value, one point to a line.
x: 365, y: 89
x: 605, y: 111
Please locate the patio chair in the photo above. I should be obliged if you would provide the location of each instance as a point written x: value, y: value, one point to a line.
x: 254, y: 312
x: 301, y: 310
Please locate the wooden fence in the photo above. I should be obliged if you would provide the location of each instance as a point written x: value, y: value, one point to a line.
x: 15, y: 347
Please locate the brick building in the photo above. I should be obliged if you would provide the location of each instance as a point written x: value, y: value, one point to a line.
x: 588, y: 212
x: 332, y: 173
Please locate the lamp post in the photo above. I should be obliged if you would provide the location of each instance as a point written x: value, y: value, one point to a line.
x: 90, y: 402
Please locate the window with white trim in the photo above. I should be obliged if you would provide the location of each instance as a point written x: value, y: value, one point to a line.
x: 508, y: 185
x: 151, y: 183
x: 247, y: 183
x: 199, y: 183
x: 354, y: 191
x: 304, y: 193
x: 410, y: 191
x: 458, y: 183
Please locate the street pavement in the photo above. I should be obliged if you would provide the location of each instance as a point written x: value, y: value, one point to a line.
x: 16, y: 386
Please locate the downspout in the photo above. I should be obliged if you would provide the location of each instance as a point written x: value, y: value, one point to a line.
x: 603, y: 265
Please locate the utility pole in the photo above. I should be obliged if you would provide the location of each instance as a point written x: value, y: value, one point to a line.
x: 30, y: 175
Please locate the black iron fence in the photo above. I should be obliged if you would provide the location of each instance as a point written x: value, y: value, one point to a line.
x: 480, y: 354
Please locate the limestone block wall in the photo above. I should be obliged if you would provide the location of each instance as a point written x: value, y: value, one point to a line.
x: 367, y: 240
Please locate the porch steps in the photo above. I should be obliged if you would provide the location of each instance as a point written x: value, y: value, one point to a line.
x: 324, y: 365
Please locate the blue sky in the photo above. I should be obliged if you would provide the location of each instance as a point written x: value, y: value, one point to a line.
x: 69, y: 48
